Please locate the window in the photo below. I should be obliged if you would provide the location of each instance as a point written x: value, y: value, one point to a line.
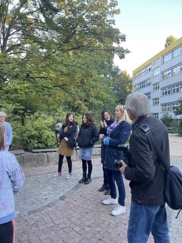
x: 176, y: 88
x: 156, y: 61
x: 148, y: 95
x: 166, y: 91
x: 165, y: 107
x: 167, y: 74
x: 136, y: 87
x: 155, y: 101
x: 156, y: 71
x: 147, y: 82
x: 177, y: 52
x: 155, y: 115
x: 167, y: 57
x: 143, y: 84
x: 177, y: 70
x: 156, y: 86
x: 142, y: 72
x: 174, y: 106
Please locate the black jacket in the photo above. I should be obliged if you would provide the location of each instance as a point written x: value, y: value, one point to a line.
x: 119, y: 135
x: 103, y: 130
x: 71, y: 131
x: 146, y: 172
x: 87, y: 136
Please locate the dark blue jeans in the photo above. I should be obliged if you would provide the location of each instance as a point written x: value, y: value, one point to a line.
x: 116, y: 176
x: 146, y: 219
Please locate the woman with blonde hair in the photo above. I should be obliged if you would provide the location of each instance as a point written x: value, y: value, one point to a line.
x: 118, y: 133
x: 11, y: 180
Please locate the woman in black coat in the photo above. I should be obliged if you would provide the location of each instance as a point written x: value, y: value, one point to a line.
x: 106, y: 120
x: 87, y: 136
x: 118, y: 133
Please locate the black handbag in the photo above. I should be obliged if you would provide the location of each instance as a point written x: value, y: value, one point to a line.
x: 172, y: 177
x: 173, y: 187
x: 71, y: 142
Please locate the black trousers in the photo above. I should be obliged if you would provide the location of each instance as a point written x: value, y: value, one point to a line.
x: 106, y: 183
x: 60, y: 163
x: 7, y: 232
x: 84, y: 166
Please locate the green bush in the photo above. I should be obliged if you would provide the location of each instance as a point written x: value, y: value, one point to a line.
x: 170, y: 122
x: 38, y: 133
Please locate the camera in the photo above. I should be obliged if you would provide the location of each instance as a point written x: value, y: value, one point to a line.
x: 117, y: 164
x: 126, y: 159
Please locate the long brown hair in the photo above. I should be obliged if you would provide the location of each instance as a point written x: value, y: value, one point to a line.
x: 90, y: 120
x: 67, y: 122
x: 2, y: 136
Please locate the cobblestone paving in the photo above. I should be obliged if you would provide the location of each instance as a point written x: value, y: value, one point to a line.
x: 59, y: 210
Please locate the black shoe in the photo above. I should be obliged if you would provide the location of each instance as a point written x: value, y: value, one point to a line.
x: 88, y: 180
x: 83, y: 179
x: 103, y: 188
x: 107, y: 192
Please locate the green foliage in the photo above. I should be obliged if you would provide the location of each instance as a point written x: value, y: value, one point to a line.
x: 178, y: 110
x: 170, y: 122
x: 58, y: 55
x: 167, y: 120
x: 169, y: 40
x: 38, y: 133
x: 180, y: 127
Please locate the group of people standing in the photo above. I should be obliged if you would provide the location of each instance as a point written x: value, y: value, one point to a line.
x: 113, y: 132
x: 85, y: 137
x: 143, y: 168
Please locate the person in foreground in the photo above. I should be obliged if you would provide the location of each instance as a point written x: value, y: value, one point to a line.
x: 11, y: 180
x: 146, y: 173
x: 118, y: 133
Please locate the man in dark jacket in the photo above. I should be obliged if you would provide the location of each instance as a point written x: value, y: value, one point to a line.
x: 146, y: 173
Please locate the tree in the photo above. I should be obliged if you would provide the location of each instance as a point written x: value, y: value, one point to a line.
x: 40, y: 40
x: 58, y: 55
x: 178, y: 109
x: 169, y: 40
x: 122, y: 85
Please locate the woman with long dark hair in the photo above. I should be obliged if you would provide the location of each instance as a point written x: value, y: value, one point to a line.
x: 68, y: 131
x: 87, y: 136
x: 106, y: 120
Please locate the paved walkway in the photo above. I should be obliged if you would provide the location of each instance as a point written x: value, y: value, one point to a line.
x: 58, y: 210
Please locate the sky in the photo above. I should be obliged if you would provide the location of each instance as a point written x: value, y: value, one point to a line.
x: 146, y: 24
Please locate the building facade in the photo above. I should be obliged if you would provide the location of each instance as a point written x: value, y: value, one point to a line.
x: 160, y: 79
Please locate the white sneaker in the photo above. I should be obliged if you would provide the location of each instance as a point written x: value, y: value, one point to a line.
x: 68, y: 176
x: 58, y: 174
x: 110, y: 201
x: 119, y: 210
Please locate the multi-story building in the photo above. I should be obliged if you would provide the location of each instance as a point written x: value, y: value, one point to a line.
x: 160, y: 79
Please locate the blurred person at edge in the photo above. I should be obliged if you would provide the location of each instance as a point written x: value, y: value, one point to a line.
x: 146, y: 174
x: 68, y: 130
x: 87, y: 136
x: 8, y: 130
x: 119, y: 132
x: 106, y: 120
x: 11, y: 180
